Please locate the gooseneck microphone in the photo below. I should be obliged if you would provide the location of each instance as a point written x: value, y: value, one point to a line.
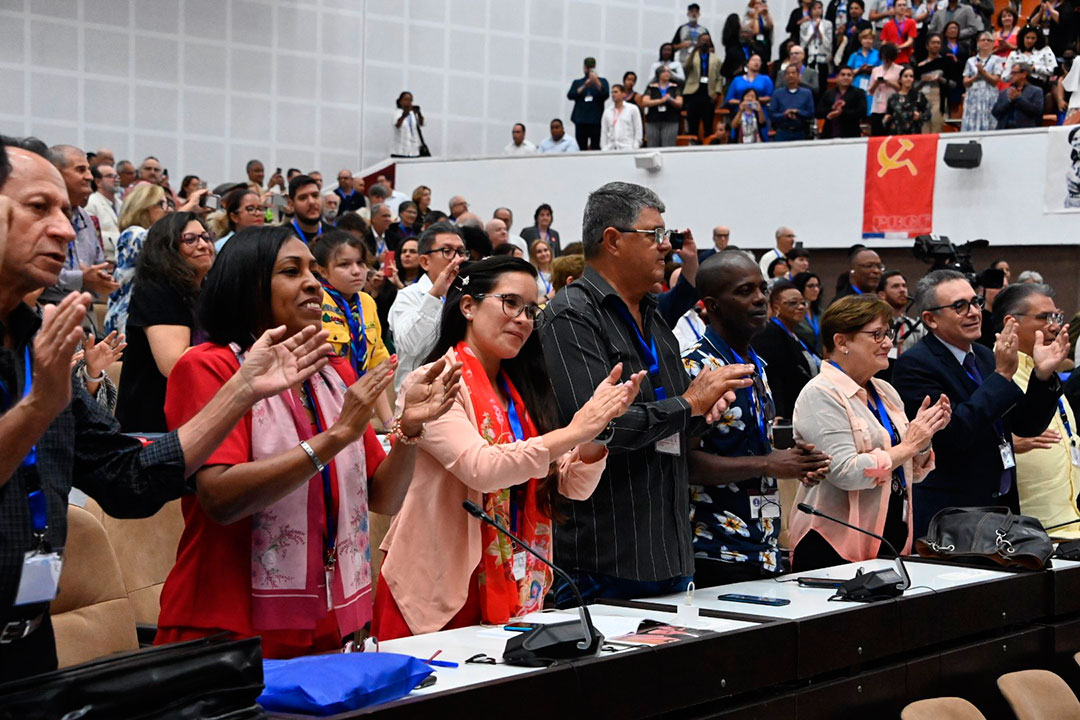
x: 555, y: 641
x: 868, y: 585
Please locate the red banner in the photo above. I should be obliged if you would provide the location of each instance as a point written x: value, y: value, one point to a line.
x: 900, y: 185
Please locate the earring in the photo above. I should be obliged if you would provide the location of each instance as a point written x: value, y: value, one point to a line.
x: 846, y: 351
x: 468, y: 317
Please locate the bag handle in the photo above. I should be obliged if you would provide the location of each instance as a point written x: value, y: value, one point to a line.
x: 932, y: 531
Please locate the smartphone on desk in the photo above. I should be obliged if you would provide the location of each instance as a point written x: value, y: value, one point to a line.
x: 820, y: 583
x: 754, y: 599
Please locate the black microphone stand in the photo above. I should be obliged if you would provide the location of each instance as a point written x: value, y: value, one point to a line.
x: 550, y: 642
x: 867, y: 586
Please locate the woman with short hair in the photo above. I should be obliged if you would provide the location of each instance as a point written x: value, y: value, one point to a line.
x: 663, y: 103
x: 541, y: 228
x: 981, y: 77
x: 859, y: 421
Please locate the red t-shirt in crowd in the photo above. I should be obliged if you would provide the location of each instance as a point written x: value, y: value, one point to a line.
x: 899, y: 34
x: 209, y: 588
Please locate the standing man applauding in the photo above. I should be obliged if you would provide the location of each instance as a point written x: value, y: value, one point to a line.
x: 976, y: 464
x: 632, y: 537
x: 588, y: 95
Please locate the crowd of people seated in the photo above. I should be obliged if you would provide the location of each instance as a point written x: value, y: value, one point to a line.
x: 610, y: 397
x: 845, y: 70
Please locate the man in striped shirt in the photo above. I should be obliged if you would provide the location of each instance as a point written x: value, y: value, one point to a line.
x: 632, y: 537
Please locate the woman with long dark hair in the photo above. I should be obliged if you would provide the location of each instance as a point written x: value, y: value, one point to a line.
x: 276, y: 536
x: 175, y: 257
x: 907, y: 108
x: 541, y: 229
x: 809, y: 284
x: 501, y: 447
x: 243, y: 208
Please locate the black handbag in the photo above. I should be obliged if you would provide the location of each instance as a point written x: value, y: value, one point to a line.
x: 424, y: 150
x: 987, y: 535
x: 207, y: 678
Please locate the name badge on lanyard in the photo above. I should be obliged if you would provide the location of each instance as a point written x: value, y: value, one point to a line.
x: 1008, y: 460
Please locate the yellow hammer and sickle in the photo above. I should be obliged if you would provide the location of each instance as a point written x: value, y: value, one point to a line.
x: 889, y: 162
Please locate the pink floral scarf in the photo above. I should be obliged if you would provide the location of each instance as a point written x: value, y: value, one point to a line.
x: 288, y: 577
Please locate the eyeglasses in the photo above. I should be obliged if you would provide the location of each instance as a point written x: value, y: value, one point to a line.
x: 962, y: 306
x: 194, y: 238
x: 813, y: 286
x: 1054, y: 318
x: 794, y: 303
x: 880, y: 334
x: 344, y: 178
x: 164, y: 204
x: 253, y: 210
x: 513, y: 305
x: 449, y: 252
x: 871, y: 266
x: 660, y: 235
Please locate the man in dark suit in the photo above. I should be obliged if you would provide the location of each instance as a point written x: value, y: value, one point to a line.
x: 975, y: 464
x: 842, y: 107
x: 789, y: 361
x: 383, y: 235
x: 588, y: 95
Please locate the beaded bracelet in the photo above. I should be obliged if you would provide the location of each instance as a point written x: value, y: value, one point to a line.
x: 399, y: 436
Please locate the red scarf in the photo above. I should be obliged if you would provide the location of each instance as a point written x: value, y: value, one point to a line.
x: 504, y: 595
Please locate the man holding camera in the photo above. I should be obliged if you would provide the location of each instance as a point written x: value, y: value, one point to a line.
x: 589, y: 94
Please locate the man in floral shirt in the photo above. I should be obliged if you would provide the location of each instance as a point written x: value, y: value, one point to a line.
x: 735, y: 500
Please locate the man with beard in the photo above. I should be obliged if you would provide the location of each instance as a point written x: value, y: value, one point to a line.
x: 307, y: 207
x: 735, y: 499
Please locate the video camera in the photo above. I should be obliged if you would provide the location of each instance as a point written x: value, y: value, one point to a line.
x: 942, y: 254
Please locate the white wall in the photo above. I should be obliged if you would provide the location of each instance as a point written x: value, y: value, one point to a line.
x: 208, y: 84
x: 815, y: 187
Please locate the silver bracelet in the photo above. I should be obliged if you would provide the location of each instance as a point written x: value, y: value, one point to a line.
x: 311, y: 454
x: 87, y: 378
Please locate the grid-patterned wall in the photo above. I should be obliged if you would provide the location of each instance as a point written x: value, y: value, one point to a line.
x: 206, y: 85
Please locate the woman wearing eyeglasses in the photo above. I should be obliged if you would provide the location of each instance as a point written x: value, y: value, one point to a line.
x: 243, y: 209
x: 143, y: 206
x: 161, y: 316
x: 791, y: 361
x: 859, y: 421
x: 499, y: 446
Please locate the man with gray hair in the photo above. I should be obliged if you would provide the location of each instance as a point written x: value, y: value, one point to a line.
x: 383, y: 235
x: 1047, y: 466
x: 499, y: 235
x: 1020, y: 105
x: 974, y: 456
x: 632, y: 537
x: 85, y: 268
x: 785, y: 241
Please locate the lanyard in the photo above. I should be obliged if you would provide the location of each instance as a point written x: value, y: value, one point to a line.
x: 693, y: 328
x: 330, y: 539
x: 9, y: 400
x: 357, y: 334
x: 39, y: 518
x: 1065, y: 419
x: 648, y: 350
x: 856, y: 290
x: 878, y: 408
x: 797, y: 339
x: 812, y: 320
x: 615, y: 113
x: 757, y: 406
x: 301, y: 233
x: 515, y: 427
x: 547, y: 282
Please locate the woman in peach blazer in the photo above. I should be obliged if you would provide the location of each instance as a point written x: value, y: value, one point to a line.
x: 876, y: 453
x: 499, y: 446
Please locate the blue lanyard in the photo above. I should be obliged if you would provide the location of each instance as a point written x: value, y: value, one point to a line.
x: 1065, y: 419
x: 648, y: 350
x: 878, y: 408
x: 693, y: 329
x: 547, y: 283
x: 328, y: 498
x: 39, y: 518
x: 757, y: 403
x: 300, y: 232
x: 813, y: 322
x: 357, y: 334
x: 856, y: 290
x: 519, y: 434
x: 797, y: 339
x: 9, y: 400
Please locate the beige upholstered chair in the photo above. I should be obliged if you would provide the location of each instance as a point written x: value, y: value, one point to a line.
x: 1039, y: 695
x: 92, y: 615
x: 943, y: 708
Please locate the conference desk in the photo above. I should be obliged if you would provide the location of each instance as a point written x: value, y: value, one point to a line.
x: 952, y: 633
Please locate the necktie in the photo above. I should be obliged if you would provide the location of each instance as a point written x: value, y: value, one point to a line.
x: 973, y: 370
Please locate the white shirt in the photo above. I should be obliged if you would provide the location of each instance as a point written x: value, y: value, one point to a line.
x: 566, y: 145
x: 689, y: 330
x: 620, y: 129
x: 107, y: 212
x: 395, y: 200
x: 674, y: 66
x: 525, y: 148
x: 519, y: 242
x: 956, y: 352
x: 414, y: 320
x: 767, y: 259
x: 406, y: 137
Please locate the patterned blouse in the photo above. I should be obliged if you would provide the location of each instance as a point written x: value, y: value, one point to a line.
x: 901, y: 111
x: 128, y: 247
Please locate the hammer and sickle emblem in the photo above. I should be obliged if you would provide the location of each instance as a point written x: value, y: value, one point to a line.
x: 888, y: 163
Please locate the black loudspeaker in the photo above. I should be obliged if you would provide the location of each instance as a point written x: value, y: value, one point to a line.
x: 966, y: 155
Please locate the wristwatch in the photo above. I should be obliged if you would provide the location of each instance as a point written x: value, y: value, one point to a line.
x: 606, y: 434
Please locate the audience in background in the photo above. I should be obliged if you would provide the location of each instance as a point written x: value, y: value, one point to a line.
x: 243, y: 209
x: 541, y: 229
x: 703, y: 84
x: 981, y: 77
x: 408, y: 137
x: 791, y: 108
x: 620, y: 126
x: 104, y: 205
x: 541, y: 257
x: 792, y: 361
x: 809, y: 329
x: 518, y: 145
x: 1020, y: 105
x: 588, y: 94
x: 663, y: 102
x: 843, y: 108
x: 144, y: 205
x: 907, y: 108
x: 559, y: 141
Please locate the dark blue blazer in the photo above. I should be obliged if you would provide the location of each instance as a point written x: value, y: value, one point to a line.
x: 588, y: 112
x: 966, y: 456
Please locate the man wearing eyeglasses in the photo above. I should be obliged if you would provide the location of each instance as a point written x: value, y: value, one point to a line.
x: 105, y: 206
x: 974, y: 455
x: 458, y: 207
x: 734, y: 495
x: 632, y: 537
x: 1047, y: 466
x: 414, y: 316
x: 350, y: 196
x: 864, y: 273
x: 785, y: 240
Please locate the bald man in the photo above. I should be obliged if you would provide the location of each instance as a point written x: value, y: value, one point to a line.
x: 785, y: 240
x: 500, y: 235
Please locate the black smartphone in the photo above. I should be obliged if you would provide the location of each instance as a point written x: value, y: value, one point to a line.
x: 798, y: 244
x: 753, y: 599
x: 820, y: 583
x: 783, y: 436
x: 677, y: 239
x: 212, y: 202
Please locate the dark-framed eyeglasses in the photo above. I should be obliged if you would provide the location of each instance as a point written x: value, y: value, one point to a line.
x: 194, y: 238
x: 513, y: 305
x: 880, y: 334
x: 794, y: 303
x: 253, y: 210
x: 962, y: 306
x: 1055, y: 317
x: 449, y: 252
x: 660, y: 235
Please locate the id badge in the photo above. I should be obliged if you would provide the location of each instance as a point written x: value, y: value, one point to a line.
x: 588, y: 98
x: 904, y: 511
x: 669, y: 445
x: 40, y: 577
x: 1074, y: 453
x: 518, y: 570
x: 1007, y: 459
x: 765, y: 506
x: 892, y: 353
x: 661, y: 108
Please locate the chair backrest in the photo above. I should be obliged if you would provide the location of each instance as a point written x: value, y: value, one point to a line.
x: 146, y: 551
x: 91, y: 615
x: 1076, y: 658
x: 943, y: 708
x: 1039, y: 695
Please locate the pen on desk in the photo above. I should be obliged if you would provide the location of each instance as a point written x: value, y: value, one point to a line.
x: 440, y: 663
x: 517, y: 628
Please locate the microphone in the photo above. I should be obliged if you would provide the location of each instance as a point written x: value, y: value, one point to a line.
x: 867, y: 586
x: 546, y: 644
